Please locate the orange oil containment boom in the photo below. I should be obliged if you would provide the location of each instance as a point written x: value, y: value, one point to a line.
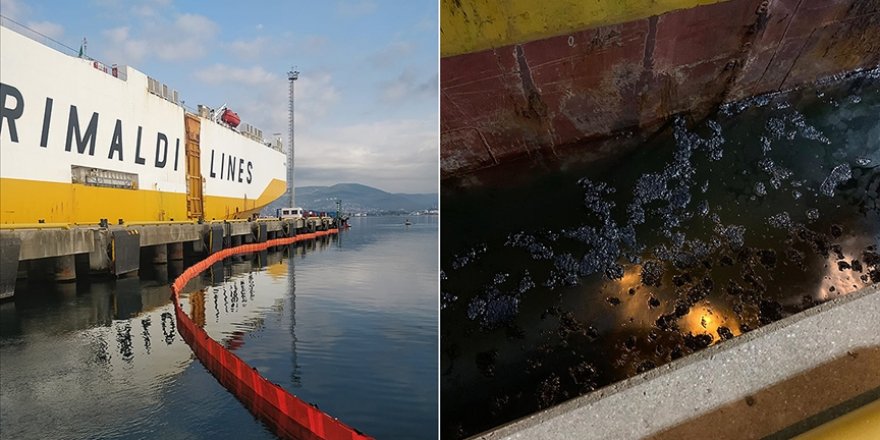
x: 286, y: 414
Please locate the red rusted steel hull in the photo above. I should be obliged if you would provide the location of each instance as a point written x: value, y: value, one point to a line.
x: 511, y: 101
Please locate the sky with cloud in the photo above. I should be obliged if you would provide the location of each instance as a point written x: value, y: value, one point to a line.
x: 366, y: 100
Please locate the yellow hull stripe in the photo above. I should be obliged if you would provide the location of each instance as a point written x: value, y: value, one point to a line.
x: 29, y: 201
x: 473, y: 25
x: 861, y: 424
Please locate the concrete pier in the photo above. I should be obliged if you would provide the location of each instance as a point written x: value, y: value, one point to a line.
x: 65, y: 268
x: 158, y: 254
x: 62, y: 252
x: 175, y: 251
x: 9, y: 267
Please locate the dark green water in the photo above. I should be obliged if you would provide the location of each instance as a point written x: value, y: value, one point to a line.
x: 348, y: 323
x: 564, y: 274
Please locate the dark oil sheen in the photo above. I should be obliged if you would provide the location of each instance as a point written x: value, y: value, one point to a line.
x: 563, y: 274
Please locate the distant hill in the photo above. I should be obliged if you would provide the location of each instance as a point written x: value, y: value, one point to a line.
x: 355, y: 198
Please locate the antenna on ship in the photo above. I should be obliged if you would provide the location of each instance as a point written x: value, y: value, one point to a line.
x: 292, y: 76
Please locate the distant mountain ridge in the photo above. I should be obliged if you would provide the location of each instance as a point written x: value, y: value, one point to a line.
x: 356, y: 198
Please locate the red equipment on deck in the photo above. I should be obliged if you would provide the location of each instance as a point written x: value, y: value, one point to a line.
x: 230, y: 117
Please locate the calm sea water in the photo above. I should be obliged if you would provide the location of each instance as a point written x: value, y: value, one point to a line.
x: 587, y: 269
x: 348, y: 323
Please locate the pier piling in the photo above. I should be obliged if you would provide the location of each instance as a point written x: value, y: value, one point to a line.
x: 175, y: 251
x: 65, y: 268
x: 61, y: 252
x: 9, y: 250
x: 158, y: 254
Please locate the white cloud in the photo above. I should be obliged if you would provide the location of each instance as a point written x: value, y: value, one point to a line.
x: 318, y: 92
x: 144, y: 10
x: 124, y: 48
x: 394, y: 155
x: 355, y: 8
x: 409, y: 85
x: 392, y: 53
x: 315, y: 94
x: 222, y: 73
x: 187, y: 37
x: 314, y: 43
x: 195, y: 24
x: 262, y: 47
x: 150, y: 8
x: 427, y: 24
x: 249, y: 49
x: 13, y: 9
x: 47, y: 28
x: 107, y: 3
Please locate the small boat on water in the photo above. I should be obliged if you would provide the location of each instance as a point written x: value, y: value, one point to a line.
x: 407, y: 223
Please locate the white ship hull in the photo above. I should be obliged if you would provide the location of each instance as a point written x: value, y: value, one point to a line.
x: 78, y: 144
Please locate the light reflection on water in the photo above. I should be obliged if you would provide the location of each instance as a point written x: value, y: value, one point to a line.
x: 352, y: 329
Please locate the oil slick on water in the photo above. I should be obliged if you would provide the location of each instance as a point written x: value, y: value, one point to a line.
x: 588, y: 272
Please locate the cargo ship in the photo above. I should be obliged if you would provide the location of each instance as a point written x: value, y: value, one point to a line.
x: 82, y: 141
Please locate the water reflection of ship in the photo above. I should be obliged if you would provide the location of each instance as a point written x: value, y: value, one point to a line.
x: 131, y: 298
x: 243, y: 309
x: 113, y: 326
x: 125, y: 331
x: 237, y: 309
